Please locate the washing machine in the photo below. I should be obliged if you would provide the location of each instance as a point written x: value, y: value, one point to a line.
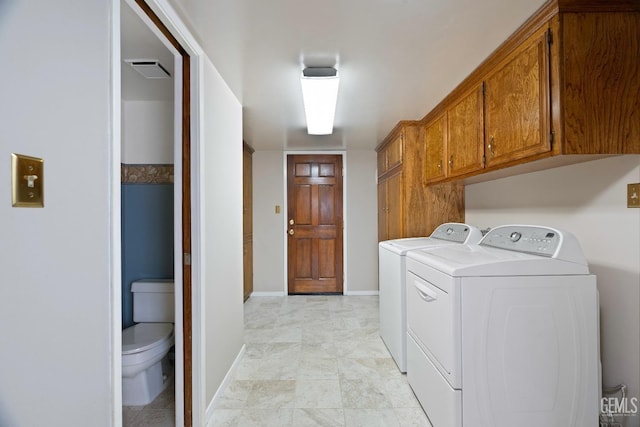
x: 504, y: 333
x: 392, y: 290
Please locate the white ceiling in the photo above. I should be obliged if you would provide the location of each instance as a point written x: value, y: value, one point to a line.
x: 397, y: 58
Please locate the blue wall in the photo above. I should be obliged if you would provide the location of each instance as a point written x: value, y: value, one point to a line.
x: 147, y: 238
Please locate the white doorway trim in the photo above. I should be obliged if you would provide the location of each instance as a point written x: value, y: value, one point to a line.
x: 177, y: 28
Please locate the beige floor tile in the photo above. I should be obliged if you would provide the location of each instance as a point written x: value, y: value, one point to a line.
x: 318, y: 394
x: 371, y: 418
x: 318, y: 417
x: 316, y: 361
x: 272, y: 394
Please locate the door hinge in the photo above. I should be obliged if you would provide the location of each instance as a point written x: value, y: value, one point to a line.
x: 186, y: 259
x: 551, y: 139
x: 484, y: 160
x: 549, y: 36
x: 484, y: 89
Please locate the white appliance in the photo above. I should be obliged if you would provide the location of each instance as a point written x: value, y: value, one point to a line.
x: 392, y: 289
x: 504, y: 333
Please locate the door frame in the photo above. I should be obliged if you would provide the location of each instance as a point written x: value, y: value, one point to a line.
x: 285, y: 207
x: 176, y: 28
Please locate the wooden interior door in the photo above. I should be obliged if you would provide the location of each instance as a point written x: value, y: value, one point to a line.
x: 187, y: 292
x: 314, y: 232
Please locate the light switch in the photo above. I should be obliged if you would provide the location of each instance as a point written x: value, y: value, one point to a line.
x: 27, y: 181
x: 633, y: 195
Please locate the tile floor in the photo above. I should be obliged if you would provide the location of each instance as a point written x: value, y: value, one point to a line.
x: 316, y: 361
x: 159, y: 413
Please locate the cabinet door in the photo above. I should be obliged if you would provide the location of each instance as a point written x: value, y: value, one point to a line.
x: 382, y: 211
x: 516, y: 104
x: 395, y: 206
x: 465, y: 131
x: 394, y: 152
x: 434, y: 139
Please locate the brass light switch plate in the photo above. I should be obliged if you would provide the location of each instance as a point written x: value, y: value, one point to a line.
x: 27, y: 181
x: 633, y: 195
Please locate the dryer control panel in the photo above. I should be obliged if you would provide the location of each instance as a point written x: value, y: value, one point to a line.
x: 456, y: 232
x: 534, y: 240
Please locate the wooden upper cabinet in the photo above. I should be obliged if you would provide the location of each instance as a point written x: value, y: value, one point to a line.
x: 434, y: 140
x: 516, y: 103
x: 566, y: 82
x: 598, y: 67
x: 391, y: 155
x: 465, y: 132
x: 407, y: 207
x: 395, y: 152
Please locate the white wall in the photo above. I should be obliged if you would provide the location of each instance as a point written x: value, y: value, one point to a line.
x: 362, y: 221
x: 222, y: 285
x: 147, y: 132
x: 56, y: 276
x: 589, y: 200
x: 361, y: 260
x: 268, y: 227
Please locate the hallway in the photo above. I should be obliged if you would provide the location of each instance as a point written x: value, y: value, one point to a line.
x: 316, y: 361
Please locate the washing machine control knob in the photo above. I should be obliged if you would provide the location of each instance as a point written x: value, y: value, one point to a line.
x: 515, y: 236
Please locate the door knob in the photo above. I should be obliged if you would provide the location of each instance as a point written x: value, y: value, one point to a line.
x: 291, y: 232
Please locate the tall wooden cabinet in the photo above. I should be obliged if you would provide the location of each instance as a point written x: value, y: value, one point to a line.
x: 407, y: 207
x: 247, y: 218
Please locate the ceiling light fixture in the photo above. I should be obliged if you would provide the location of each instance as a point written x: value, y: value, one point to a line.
x: 319, y: 93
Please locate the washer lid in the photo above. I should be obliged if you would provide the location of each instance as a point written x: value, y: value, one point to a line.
x: 401, y: 246
x: 445, y: 234
x: 144, y: 336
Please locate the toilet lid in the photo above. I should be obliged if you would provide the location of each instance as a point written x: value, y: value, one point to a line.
x: 144, y: 336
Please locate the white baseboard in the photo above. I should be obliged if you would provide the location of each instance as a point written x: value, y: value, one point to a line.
x: 361, y: 293
x: 268, y: 294
x: 224, y: 385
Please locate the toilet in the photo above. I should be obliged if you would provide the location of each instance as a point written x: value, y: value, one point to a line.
x: 146, y: 369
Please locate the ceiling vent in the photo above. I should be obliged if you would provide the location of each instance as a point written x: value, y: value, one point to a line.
x: 149, y: 68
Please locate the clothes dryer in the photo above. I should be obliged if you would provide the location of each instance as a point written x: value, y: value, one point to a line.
x: 392, y: 289
x: 504, y: 333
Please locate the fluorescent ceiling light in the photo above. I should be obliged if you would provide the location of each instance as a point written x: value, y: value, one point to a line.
x: 319, y: 93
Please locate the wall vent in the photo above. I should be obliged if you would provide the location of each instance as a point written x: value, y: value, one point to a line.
x: 149, y: 68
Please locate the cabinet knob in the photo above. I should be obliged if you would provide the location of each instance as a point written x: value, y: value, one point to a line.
x: 440, y: 165
x: 491, y: 146
x: 451, y: 162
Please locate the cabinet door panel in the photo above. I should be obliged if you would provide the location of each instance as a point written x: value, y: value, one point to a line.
x: 382, y: 211
x: 434, y: 139
x: 395, y: 206
x: 517, y: 104
x: 465, y: 145
x: 394, y: 152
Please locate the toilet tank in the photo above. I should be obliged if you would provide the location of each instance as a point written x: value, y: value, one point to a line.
x: 153, y: 300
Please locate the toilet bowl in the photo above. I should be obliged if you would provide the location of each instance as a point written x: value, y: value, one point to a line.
x: 144, y: 346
